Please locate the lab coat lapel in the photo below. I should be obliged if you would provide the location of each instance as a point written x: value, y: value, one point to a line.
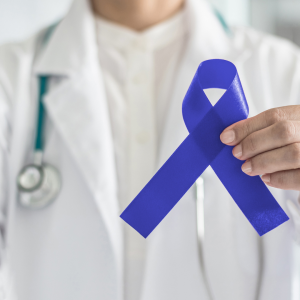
x: 77, y: 107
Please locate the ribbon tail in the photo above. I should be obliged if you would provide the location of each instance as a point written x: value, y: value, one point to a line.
x: 249, y: 193
x: 166, y: 188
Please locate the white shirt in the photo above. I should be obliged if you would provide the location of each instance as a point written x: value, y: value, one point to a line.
x: 138, y: 70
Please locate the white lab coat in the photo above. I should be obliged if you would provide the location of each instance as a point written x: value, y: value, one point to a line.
x: 73, y: 248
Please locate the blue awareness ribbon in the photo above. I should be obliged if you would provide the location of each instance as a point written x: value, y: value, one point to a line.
x: 202, y: 148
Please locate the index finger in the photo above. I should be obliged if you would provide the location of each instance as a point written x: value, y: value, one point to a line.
x: 235, y: 133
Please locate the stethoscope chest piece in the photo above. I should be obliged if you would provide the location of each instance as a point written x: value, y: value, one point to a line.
x: 38, y: 185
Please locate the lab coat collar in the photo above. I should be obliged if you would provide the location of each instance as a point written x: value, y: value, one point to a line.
x: 208, y: 38
x: 72, y: 45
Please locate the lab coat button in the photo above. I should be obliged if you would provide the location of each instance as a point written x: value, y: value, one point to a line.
x: 139, y: 78
x: 142, y: 137
x: 139, y: 44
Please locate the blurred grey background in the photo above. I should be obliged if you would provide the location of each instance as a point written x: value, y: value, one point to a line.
x: 20, y: 18
x: 280, y: 17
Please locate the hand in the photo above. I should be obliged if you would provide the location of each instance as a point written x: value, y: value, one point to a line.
x: 270, y: 144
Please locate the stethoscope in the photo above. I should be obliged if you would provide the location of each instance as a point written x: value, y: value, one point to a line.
x: 38, y: 183
x: 199, y: 189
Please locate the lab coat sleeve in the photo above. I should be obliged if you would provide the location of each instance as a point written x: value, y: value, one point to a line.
x: 6, y: 92
x: 4, y: 136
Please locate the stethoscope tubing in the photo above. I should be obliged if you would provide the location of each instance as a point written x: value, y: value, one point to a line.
x: 38, y: 183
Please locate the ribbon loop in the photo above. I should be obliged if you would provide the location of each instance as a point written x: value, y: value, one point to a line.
x: 202, y: 148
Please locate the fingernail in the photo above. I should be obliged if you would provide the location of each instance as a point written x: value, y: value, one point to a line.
x: 227, y: 136
x: 266, y: 178
x: 237, y: 151
x: 247, y: 167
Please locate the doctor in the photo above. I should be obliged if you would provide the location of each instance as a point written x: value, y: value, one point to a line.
x: 117, y: 73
